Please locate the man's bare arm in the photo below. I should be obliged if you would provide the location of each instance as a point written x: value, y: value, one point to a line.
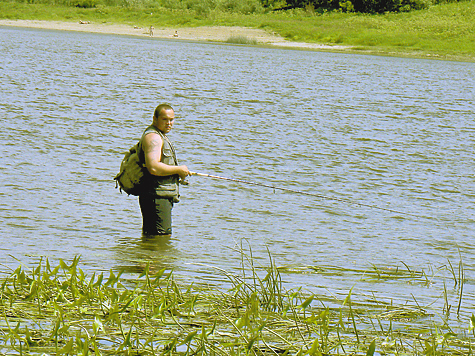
x: 152, y: 147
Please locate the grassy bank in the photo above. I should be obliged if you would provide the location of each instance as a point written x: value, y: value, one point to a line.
x: 61, y: 311
x: 445, y: 31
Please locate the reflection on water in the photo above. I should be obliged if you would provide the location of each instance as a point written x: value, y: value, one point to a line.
x: 396, y: 133
x: 133, y: 255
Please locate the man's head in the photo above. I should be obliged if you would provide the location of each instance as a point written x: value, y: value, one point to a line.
x: 163, y: 118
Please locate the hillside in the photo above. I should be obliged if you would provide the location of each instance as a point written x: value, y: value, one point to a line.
x: 444, y: 31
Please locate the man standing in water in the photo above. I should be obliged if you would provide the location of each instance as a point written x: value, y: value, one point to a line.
x: 162, y: 174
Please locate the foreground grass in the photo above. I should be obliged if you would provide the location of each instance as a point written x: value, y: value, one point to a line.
x: 59, y: 310
x: 445, y: 31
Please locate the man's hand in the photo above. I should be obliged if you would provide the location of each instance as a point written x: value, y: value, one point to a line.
x: 183, y: 172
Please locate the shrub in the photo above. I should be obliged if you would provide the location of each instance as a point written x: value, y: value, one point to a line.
x: 347, y: 6
x: 202, y: 7
x: 365, y: 6
x: 241, y: 40
x: 376, y: 6
x: 242, y: 6
x: 415, y: 4
x: 85, y: 4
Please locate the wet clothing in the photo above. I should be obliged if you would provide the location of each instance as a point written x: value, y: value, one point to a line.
x: 160, y: 192
x: 156, y: 215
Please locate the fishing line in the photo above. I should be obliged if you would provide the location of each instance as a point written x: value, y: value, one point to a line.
x: 304, y: 193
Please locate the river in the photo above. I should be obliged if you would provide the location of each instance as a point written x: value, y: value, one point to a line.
x: 396, y: 133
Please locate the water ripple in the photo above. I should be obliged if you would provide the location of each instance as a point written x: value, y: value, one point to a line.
x: 394, y: 133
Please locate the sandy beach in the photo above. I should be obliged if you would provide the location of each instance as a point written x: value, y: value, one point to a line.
x: 209, y: 34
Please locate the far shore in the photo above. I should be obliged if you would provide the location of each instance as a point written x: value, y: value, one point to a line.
x: 207, y: 34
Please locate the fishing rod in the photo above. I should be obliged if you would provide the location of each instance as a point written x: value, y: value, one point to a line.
x: 302, y: 192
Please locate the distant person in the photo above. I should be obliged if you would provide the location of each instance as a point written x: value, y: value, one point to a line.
x: 151, y: 31
x: 176, y: 34
x: 162, y: 175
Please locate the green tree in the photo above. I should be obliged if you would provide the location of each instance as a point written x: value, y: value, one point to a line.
x: 364, y: 6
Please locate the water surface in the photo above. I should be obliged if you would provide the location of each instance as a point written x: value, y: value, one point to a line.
x: 391, y: 132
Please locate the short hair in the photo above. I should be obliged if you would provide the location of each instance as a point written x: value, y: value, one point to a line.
x: 160, y: 108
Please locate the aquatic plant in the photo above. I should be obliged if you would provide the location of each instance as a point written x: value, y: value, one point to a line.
x: 61, y: 311
x: 241, y: 40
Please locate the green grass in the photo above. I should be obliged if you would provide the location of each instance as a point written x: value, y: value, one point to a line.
x: 446, y: 31
x: 60, y: 310
x: 242, y: 40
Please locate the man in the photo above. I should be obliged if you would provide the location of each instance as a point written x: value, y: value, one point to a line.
x: 162, y: 174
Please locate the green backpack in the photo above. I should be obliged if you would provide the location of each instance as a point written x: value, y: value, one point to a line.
x: 131, y: 174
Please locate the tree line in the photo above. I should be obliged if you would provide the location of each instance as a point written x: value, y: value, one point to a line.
x: 260, y: 6
x: 362, y: 6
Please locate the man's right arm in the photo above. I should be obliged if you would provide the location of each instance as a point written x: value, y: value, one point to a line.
x: 152, y: 147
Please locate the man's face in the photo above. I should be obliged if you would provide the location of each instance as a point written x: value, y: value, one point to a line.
x: 164, y: 121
